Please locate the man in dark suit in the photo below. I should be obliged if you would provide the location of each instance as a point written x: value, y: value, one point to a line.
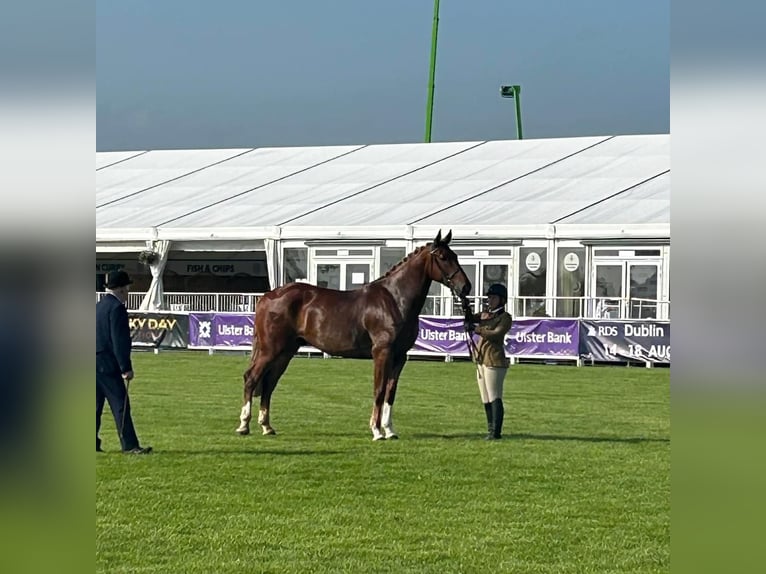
x: 114, y: 370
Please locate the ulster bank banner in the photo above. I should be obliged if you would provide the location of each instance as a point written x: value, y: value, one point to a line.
x: 527, y: 337
x: 441, y: 335
x: 436, y: 335
x: 225, y: 330
x: 645, y: 341
x: 543, y: 338
x: 163, y: 330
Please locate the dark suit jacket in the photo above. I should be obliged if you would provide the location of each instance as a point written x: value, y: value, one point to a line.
x: 112, y: 336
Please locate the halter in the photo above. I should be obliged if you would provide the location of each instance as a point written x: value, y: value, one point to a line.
x: 447, y: 279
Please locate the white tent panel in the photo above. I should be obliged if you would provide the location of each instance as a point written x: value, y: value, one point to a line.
x: 289, y: 198
x: 591, y: 186
x: 215, y: 184
x: 645, y: 203
x: 109, y: 158
x: 567, y: 186
x: 152, y: 169
x: 434, y: 187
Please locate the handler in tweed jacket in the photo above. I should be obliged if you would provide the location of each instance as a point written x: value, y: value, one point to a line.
x: 491, y: 360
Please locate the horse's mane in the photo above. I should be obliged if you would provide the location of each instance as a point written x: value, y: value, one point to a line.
x: 403, y: 261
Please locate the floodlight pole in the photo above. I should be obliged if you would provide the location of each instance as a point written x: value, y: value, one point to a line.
x: 515, y: 93
x: 432, y: 72
x: 517, y: 101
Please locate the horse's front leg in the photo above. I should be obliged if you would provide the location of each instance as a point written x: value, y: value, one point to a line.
x: 387, y: 414
x: 382, y: 369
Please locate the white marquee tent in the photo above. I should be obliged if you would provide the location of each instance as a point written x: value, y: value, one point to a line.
x: 619, y: 184
x: 609, y: 188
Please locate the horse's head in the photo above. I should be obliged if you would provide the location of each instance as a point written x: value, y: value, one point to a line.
x: 445, y: 268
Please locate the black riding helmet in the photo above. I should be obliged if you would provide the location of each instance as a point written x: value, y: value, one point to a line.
x: 499, y: 290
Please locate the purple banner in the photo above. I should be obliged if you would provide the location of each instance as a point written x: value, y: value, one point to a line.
x: 220, y: 330
x: 441, y: 335
x: 436, y: 335
x: 527, y: 337
x: 543, y: 337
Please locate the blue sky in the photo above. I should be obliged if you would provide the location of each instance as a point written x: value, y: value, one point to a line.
x: 232, y: 74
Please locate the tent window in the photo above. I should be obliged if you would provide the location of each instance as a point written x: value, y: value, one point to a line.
x: 533, y: 262
x: 570, y: 283
x: 390, y: 256
x: 295, y: 264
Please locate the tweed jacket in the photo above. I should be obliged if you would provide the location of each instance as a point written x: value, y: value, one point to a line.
x: 491, y: 331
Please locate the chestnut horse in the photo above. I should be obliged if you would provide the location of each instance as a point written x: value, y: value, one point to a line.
x: 378, y: 321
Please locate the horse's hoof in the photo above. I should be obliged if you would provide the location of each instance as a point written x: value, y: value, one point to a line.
x: 378, y: 437
x: 392, y: 437
x: 242, y: 432
x: 267, y: 432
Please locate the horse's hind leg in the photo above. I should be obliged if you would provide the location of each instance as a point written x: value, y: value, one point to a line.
x: 253, y: 382
x: 276, y: 370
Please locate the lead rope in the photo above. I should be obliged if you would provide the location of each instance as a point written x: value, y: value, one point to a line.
x: 473, y: 351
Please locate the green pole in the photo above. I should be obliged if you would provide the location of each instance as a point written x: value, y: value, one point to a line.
x: 432, y: 72
x: 517, y: 98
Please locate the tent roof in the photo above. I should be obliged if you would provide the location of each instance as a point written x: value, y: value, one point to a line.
x: 603, y: 181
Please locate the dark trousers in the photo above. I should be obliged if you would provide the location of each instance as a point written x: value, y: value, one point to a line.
x: 110, y: 387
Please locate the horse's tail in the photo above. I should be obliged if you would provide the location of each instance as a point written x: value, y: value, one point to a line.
x: 254, y: 352
x: 250, y: 380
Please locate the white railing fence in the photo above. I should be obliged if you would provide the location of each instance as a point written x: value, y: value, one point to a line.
x: 573, y: 307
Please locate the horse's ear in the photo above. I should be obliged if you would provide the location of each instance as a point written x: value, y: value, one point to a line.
x: 447, y: 238
x: 438, y: 238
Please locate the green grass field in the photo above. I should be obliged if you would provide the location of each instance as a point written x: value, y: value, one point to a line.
x: 580, y: 483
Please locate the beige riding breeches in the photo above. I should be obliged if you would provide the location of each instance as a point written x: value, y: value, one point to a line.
x: 490, y: 381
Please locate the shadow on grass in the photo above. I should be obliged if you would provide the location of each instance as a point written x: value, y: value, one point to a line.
x: 255, y: 451
x: 629, y: 440
x: 473, y: 435
x: 529, y: 436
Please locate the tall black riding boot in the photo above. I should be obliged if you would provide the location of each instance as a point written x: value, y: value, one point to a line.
x: 490, y: 420
x: 498, y: 412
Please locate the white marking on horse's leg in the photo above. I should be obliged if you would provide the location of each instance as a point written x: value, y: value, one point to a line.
x: 244, y: 419
x: 263, y: 420
x: 375, y: 423
x: 387, y: 423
